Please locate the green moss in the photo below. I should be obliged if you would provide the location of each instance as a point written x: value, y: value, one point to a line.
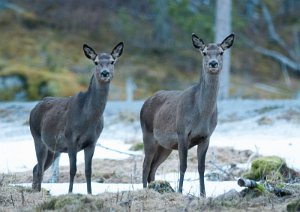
x: 250, y: 193
x: 48, y: 205
x: 67, y: 200
x: 137, y: 146
x: 72, y: 202
x: 269, y: 167
x: 293, y: 206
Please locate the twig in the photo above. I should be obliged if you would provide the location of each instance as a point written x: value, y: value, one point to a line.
x: 118, y: 151
x: 1, y: 181
x: 22, y: 196
x: 222, y: 170
x: 187, y: 205
x: 134, y: 156
x: 12, y: 200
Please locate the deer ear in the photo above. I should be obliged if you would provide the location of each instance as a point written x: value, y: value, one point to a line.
x: 227, y: 42
x: 198, y: 42
x: 89, y: 52
x: 117, y: 51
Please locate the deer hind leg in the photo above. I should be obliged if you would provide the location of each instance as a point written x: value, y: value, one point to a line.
x: 55, y: 168
x: 38, y: 170
x: 161, y: 155
x: 150, y: 148
x: 51, y: 156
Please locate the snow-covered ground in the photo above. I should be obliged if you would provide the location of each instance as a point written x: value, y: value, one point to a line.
x: 268, y: 127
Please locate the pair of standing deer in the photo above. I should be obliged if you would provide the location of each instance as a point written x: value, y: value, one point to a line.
x: 169, y: 119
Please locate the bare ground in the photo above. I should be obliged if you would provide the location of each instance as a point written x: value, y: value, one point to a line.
x: 130, y: 170
x: 16, y: 198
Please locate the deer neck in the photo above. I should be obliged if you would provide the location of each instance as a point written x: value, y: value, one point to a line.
x: 97, y: 95
x: 207, y: 93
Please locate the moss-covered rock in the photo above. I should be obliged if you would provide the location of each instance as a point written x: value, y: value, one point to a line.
x: 269, y: 167
x: 40, y: 83
x: 161, y: 186
x: 251, y: 193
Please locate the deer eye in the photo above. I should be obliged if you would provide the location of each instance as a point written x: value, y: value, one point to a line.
x: 112, y: 62
x: 204, y: 53
x: 221, y: 53
x: 96, y: 63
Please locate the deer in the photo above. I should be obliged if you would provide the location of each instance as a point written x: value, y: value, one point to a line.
x: 71, y: 124
x: 179, y: 120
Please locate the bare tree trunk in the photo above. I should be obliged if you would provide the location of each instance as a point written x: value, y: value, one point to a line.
x: 223, y: 29
x: 161, y: 24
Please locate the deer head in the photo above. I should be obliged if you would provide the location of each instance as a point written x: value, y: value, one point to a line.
x: 104, y: 62
x: 212, y: 53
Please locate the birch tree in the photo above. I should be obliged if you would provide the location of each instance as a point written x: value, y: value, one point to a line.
x: 223, y: 29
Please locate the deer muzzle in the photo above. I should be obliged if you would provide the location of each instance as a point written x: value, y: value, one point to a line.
x: 105, y: 74
x: 213, y: 64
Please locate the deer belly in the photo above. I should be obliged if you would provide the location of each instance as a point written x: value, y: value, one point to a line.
x: 168, y: 140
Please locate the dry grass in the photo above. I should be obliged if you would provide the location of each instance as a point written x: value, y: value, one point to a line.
x: 16, y: 198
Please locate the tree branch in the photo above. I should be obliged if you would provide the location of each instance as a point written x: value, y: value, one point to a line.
x: 274, y: 36
x: 279, y: 57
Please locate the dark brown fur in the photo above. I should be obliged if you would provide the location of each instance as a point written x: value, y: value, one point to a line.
x: 74, y: 123
x: 183, y: 119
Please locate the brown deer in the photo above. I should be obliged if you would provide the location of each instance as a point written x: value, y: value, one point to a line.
x: 179, y: 120
x: 74, y: 123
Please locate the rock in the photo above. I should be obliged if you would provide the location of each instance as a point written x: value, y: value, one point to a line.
x: 270, y: 167
x: 161, y: 186
x: 13, y: 81
x: 230, y: 195
x: 14, y: 87
x: 251, y: 193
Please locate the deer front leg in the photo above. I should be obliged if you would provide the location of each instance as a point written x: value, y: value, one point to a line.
x: 73, y: 169
x: 183, y: 152
x: 88, y: 156
x: 201, y: 153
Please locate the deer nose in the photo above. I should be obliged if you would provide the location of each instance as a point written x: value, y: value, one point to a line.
x: 213, y: 64
x: 105, y: 73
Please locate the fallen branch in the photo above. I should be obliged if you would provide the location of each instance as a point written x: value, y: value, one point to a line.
x: 264, y: 187
x: 250, y: 184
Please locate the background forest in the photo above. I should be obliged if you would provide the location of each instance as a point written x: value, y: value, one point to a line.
x: 41, y: 45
